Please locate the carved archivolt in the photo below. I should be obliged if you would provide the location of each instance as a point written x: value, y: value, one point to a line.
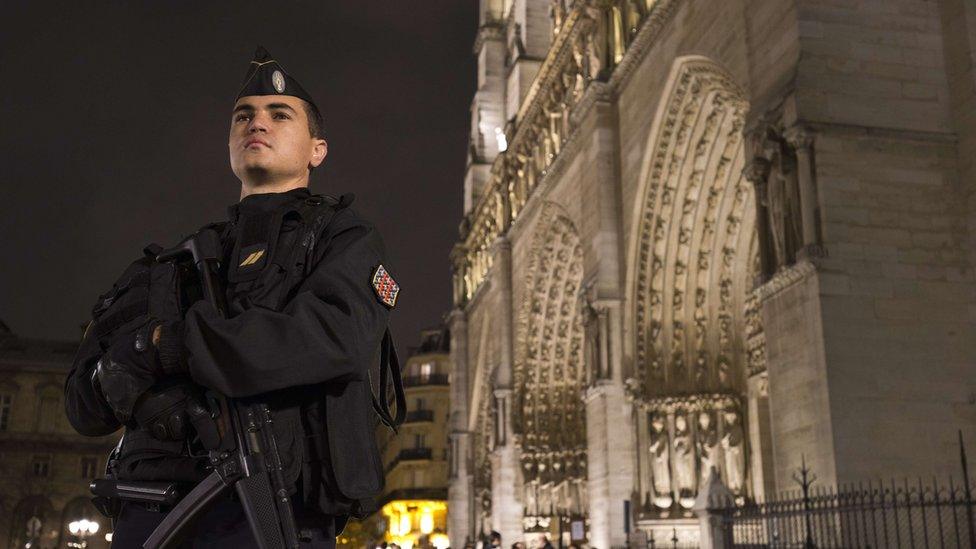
x: 697, y: 320
x: 693, y: 243
x: 548, y: 415
x: 484, y: 425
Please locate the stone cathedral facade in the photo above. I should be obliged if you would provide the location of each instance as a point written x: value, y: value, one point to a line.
x: 709, y: 235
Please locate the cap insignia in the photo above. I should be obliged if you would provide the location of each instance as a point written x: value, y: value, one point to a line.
x: 278, y: 80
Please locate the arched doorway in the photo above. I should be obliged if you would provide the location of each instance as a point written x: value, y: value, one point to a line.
x: 696, y: 323
x: 34, y: 524
x: 548, y: 413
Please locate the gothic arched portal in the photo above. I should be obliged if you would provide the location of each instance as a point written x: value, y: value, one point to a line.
x: 548, y: 415
x: 694, y: 262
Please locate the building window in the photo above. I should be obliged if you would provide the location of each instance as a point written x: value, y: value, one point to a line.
x: 420, y: 440
x: 89, y: 465
x: 426, y: 370
x: 49, y: 409
x: 419, y: 404
x: 41, y: 466
x: 5, y: 401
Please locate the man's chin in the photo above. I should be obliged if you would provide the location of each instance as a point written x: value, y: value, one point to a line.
x: 257, y: 171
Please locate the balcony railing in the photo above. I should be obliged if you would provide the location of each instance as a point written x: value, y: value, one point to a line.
x: 416, y: 416
x: 410, y: 454
x: 431, y: 379
x: 414, y: 453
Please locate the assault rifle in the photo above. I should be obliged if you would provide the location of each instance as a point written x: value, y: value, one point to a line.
x: 246, y: 457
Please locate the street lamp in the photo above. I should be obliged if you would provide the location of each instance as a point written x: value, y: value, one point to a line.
x: 82, y: 529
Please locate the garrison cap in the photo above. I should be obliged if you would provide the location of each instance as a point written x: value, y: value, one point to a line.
x: 265, y: 76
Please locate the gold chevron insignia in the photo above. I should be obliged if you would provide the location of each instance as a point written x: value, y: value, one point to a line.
x: 252, y: 259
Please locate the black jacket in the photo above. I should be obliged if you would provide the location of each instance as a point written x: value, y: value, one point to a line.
x: 304, y: 328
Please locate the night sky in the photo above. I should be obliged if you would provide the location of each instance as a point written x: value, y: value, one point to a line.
x: 114, y: 135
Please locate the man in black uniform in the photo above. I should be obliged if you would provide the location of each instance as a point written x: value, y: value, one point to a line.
x: 308, y: 298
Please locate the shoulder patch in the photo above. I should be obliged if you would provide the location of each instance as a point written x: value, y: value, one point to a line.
x: 385, y: 287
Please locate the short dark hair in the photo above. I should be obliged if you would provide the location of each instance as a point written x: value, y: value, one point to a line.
x: 315, y: 121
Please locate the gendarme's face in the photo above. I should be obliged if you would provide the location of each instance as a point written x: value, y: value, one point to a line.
x: 269, y: 137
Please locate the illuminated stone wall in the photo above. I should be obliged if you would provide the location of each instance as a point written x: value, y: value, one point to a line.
x: 773, y: 208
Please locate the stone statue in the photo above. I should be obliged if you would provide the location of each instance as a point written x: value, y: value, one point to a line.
x: 581, y: 503
x: 531, y: 490
x: 685, y: 479
x: 580, y: 69
x: 793, y: 225
x: 553, y: 109
x: 579, y: 482
x: 735, y: 458
x: 635, y: 11
x: 557, y: 12
x: 525, y: 173
x: 776, y: 210
x: 485, y: 512
x: 530, y: 486
x: 708, y: 446
x: 660, y: 450
x: 774, y: 172
x: 597, y: 40
x: 544, y: 494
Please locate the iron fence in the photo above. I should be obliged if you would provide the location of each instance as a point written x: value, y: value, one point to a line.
x: 874, y: 515
x: 892, y: 514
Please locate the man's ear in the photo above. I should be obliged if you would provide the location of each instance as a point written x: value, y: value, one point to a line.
x: 319, y: 151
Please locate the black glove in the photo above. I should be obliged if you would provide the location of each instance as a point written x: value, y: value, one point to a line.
x: 169, y: 409
x: 129, y: 367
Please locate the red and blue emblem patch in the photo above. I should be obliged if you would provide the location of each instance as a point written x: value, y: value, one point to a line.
x: 385, y: 287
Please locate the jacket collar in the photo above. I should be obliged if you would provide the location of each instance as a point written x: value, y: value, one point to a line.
x: 267, y: 202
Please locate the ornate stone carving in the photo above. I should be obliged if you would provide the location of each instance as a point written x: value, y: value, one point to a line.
x: 781, y: 170
x: 687, y: 436
x: 733, y: 446
x: 707, y: 443
x: 596, y: 330
x: 591, y: 38
x: 550, y: 372
x: 685, y: 476
x: 660, y: 464
x: 693, y: 237
x: 557, y: 14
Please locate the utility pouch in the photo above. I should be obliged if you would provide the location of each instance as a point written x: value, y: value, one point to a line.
x: 145, y: 458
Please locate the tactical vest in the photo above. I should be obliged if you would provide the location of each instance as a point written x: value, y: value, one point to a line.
x: 268, y: 256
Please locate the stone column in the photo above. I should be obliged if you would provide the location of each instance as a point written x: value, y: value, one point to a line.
x: 609, y: 417
x: 460, y: 508
x: 801, y: 140
x: 610, y: 456
x: 506, y: 505
x: 760, y: 437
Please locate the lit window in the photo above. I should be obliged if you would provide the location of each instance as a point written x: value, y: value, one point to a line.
x: 5, y: 401
x: 426, y: 370
x: 41, y: 466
